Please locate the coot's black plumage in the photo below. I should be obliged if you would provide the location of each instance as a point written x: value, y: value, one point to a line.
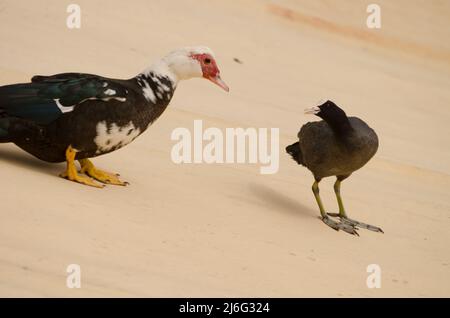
x: 75, y: 116
x: 336, y: 146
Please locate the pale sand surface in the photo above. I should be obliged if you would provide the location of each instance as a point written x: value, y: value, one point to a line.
x: 226, y: 230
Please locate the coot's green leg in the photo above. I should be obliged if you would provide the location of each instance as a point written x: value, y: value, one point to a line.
x: 337, y: 190
x: 343, y: 216
x: 333, y: 224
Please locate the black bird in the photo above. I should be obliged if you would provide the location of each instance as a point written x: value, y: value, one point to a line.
x: 335, y: 146
x: 75, y: 116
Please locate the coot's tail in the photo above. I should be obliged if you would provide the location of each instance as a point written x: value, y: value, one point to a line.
x: 295, y: 152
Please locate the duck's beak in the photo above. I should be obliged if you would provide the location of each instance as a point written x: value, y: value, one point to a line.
x: 218, y: 81
x: 312, y: 110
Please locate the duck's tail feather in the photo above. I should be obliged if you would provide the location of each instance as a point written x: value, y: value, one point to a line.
x: 295, y: 152
x: 4, y: 130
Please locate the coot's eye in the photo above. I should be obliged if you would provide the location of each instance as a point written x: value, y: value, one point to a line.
x: 207, y: 61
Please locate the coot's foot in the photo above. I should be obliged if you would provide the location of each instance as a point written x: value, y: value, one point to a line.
x: 346, y: 227
x: 356, y: 224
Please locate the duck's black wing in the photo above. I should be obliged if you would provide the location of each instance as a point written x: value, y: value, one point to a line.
x: 48, y: 97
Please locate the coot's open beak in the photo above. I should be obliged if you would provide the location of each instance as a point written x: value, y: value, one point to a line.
x: 312, y: 110
x: 218, y: 81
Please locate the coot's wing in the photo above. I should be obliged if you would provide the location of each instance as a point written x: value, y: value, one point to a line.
x: 316, y: 142
x: 47, y: 97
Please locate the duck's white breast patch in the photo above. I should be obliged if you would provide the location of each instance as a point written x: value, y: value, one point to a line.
x: 111, y: 137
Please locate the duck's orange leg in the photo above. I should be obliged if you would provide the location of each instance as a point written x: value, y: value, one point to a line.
x: 88, y: 168
x: 71, y: 171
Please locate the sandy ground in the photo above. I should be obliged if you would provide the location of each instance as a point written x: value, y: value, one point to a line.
x: 225, y: 229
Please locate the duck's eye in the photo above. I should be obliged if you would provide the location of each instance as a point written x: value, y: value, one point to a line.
x: 207, y: 61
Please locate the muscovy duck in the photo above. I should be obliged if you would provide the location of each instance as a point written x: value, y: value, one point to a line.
x: 335, y: 146
x: 76, y: 116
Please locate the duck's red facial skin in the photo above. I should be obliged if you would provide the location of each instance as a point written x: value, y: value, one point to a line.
x: 210, y: 69
x: 208, y: 64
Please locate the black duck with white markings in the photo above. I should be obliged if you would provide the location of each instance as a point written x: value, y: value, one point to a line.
x: 75, y: 116
x: 47, y: 115
x: 336, y: 146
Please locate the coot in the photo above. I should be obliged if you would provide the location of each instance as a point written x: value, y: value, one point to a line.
x: 335, y: 146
